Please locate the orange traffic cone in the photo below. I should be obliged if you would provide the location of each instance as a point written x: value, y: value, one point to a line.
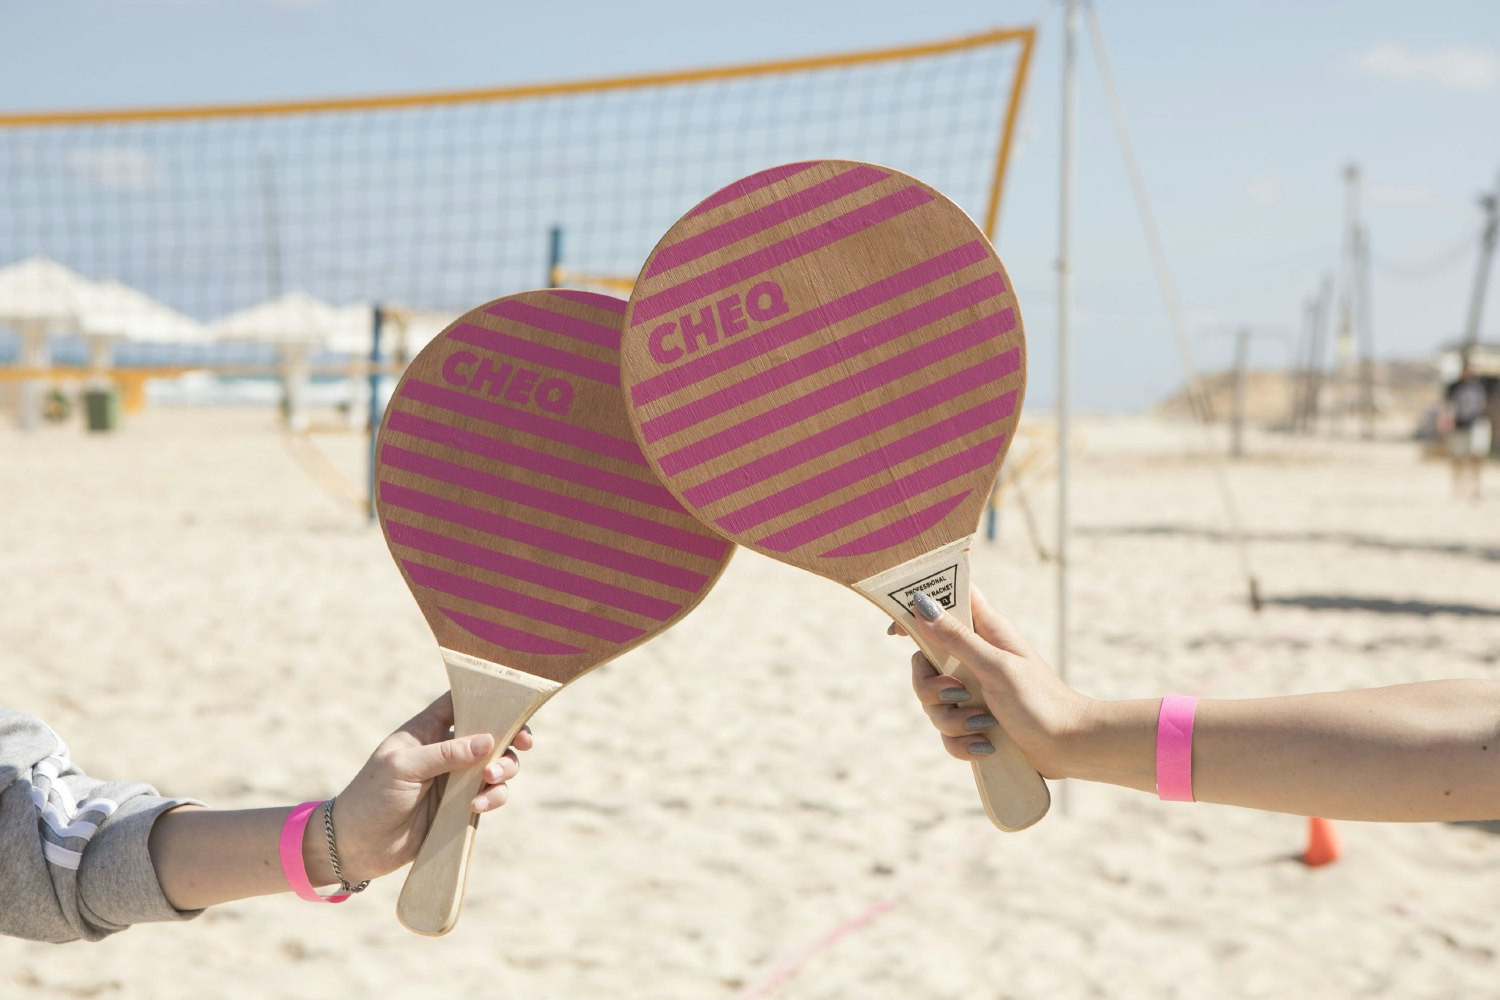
x: 1323, y: 845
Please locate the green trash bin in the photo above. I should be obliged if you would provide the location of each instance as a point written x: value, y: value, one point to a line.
x: 102, y: 408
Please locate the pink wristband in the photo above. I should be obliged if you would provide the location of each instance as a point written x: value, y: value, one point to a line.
x: 1174, y: 748
x: 291, y: 856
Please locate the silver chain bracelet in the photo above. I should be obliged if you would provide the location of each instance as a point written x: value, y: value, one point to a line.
x: 333, y: 852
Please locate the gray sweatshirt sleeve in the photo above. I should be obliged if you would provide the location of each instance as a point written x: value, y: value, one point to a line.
x: 73, y: 851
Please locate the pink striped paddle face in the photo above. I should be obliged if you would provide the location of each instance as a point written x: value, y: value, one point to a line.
x: 825, y: 362
x: 522, y: 514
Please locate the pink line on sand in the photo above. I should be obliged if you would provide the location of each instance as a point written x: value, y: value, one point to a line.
x: 501, y: 415
x: 926, y: 877
x: 749, y: 185
x: 883, y: 498
x: 528, y: 573
x: 561, y: 324
x: 820, y: 443
x: 546, y: 501
x: 546, y: 539
x: 509, y: 638
x: 537, y: 354
x: 608, y: 303
x: 814, y: 320
x: 785, y: 251
x: 744, y: 226
x: 510, y: 453
x: 509, y: 601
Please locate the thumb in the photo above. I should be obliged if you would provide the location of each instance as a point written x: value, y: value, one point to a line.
x: 996, y: 628
x: 945, y: 633
x: 426, y: 762
x: 433, y: 722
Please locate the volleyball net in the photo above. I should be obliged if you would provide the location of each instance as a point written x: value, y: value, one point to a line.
x: 439, y: 202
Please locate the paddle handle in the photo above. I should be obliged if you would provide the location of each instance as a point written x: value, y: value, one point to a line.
x: 487, y: 698
x: 1013, y: 794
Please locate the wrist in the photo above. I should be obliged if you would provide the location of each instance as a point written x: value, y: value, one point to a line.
x: 1115, y: 743
x: 357, y: 859
x: 308, y: 831
x: 315, y: 852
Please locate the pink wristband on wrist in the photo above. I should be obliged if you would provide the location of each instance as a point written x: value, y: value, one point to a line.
x: 1174, y: 748
x: 291, y: 856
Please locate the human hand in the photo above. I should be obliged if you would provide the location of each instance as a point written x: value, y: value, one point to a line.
x: 382, y: 816
x: 1017, y: 687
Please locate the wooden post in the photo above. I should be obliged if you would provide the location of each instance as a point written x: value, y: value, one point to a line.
x: 1491, y: 205
x: 35, y: 353
x: 1365, y: 328
x: 1300, y: 372
x: 1237, y: 420
x: 554, y: 257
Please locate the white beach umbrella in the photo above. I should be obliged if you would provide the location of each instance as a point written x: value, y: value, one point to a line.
x: 420, y: 327
x: 298, y: 324
x: 111, y: 309
x: 407, y: 329
x: 37, y: 297
x: 351, y: 329
x: 38, y: 292
x: 295, y: 319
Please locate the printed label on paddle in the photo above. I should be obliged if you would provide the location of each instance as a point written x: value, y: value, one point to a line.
x: 941, y: 586
x: 500, y: 378
x: 704, y: 329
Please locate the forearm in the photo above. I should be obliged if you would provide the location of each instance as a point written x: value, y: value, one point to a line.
x: 204, y: 857
x: 1427, y: 751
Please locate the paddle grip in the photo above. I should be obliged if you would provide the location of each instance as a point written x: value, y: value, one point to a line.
x: 1013, y: 794
x: 486, y: 699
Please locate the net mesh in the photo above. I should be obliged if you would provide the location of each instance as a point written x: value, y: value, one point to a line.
x: 442, y: 202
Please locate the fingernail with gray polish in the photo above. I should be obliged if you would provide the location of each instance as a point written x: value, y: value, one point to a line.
x: 953, y: 695
x: 926, y: 606
x: 982, y: 747
x: 980, y: 723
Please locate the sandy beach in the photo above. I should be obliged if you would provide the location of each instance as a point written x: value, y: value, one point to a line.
x: 753, y: 805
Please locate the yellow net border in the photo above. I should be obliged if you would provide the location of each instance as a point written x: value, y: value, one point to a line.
x: 1024, y: 36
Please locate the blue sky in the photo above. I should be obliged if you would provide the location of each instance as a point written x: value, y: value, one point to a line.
x: 1243, y: 116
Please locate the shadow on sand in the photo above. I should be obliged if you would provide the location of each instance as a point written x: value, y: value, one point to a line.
x: 1381, y: 606
x: 1350, y: 539
x: 1486, y: 825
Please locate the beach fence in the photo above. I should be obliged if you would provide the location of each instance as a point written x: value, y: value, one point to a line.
x: 275, y: 234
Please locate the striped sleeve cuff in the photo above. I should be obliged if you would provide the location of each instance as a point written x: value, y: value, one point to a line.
x: 117, y: 883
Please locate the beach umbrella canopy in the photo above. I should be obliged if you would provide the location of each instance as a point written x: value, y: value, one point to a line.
x: 295, y: 319
x: 38, y: 291
x: 421, y: 327
x: 351, y: 329
x: 111, y: 309
x: 410, y: 328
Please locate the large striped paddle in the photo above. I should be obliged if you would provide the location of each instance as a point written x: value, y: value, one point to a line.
x: 825, y: 362
x: 532, y: 533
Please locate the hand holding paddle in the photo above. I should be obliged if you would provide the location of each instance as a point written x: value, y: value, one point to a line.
x: 531, y: 531
x: 825, y: 362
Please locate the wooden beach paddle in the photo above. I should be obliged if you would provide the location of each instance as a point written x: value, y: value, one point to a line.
x: 534, y: 536
x: 825, y: 362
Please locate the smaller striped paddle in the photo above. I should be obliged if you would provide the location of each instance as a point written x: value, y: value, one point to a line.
x: 534, y: 536
x: 825, y: 362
